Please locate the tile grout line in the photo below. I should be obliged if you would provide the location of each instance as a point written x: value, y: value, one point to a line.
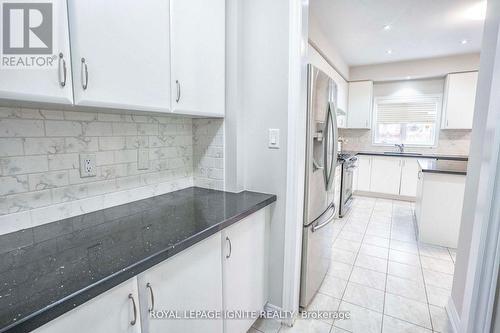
x: 425, y: 286
x: 387, y: 269
x: 352, y: 268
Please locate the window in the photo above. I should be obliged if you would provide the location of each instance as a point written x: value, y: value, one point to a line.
x: 408, y: 120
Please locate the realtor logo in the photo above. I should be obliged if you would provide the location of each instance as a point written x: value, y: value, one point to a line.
x: 27, y: 28
x: 27, y: 34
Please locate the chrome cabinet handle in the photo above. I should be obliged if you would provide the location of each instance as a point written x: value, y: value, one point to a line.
x: 85, y: 82
x: 62, y: 82
x: 230, y: 248
x: 135, y: 309
x: 178, y: 91
x: 148, y: 286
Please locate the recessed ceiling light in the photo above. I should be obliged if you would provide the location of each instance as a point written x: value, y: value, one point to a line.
x: 387, y: 27
x: 464, y: 41
x: 389, y: 51
x: 408, y: 77
x: 476, y: 12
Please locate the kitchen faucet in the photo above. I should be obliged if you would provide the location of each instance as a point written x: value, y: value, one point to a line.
x: 401, y: 147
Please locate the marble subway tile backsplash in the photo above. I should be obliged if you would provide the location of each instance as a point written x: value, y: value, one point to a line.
x: 39, y: 161
x: 451, y: 142
x: 208, y: 153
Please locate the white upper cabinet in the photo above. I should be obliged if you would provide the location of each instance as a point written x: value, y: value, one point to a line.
x: 50, y: 85
x: 360, y: 104
x: 198, y: 56
x: 385, y: 175
x: 459, y: 100
x: 121, y: 53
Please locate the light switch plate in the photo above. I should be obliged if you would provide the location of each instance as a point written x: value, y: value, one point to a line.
x: 87, y: 165
x: 142, y: 159
x: 274, y: 138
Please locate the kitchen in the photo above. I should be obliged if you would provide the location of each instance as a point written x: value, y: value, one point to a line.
x: 190, y: 159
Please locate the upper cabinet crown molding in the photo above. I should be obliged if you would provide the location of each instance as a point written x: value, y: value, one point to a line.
x: 46, y: 85
x: 360, y: 103
x: 459, y: 100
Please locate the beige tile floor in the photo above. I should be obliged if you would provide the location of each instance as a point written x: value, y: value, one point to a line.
x: 379, y: 272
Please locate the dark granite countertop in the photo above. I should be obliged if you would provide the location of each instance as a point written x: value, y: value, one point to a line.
x: 413, y: 155
x: 48, y: 270
x: 443, y: 166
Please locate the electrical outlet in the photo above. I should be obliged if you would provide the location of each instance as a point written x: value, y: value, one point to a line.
x: 142, y: 159
x: 87, y: 165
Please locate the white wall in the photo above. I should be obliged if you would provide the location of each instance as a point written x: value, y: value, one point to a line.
x: 318, y: 39
x: 416, y: 69
x: 482, y: 158
x: 258, y: 100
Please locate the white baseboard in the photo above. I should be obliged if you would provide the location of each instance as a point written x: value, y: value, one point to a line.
x: 384, y: 196
x: 452, y: 313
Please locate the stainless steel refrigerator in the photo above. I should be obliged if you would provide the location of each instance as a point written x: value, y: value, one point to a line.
x: 321, y: 160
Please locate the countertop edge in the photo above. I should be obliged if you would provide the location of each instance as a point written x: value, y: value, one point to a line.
x: 449, y: 172
x: 441, y: 157
x: 55, y: 310
x: 458, y: 173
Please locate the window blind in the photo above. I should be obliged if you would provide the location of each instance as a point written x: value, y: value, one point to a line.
x: 414, y: 110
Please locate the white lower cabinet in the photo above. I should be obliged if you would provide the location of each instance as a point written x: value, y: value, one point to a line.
x: 189, y: 281
x: 245, y: 268
x: 362, y: 174
x: 409, y: 177
x: 438, y: 209
x: 111, y: 312
x: 227, y: 271
x: 385, y: 175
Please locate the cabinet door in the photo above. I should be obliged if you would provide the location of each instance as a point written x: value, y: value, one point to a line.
x: 120, y: 53
x: 198, y: 56
x: 409, y: 177
x: 111, y: 312
x: 418, y: 200
x: 245, y: 268
x: 360, y: 104
x: 48, y: 85
x: 191, y: 280
x: 362, y: 174
x: 385, y: 175
x: 459, y: 101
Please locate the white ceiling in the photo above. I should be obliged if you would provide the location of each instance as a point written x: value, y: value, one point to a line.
x: 419, y: 28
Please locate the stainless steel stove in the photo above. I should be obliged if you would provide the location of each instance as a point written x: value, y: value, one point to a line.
x: 349, y: 163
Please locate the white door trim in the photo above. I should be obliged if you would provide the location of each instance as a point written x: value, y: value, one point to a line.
x: 482, y: 270
x: 297, y: 87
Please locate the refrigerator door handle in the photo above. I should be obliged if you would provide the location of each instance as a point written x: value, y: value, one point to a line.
x: 326, y: 140
x: 329, y: 178
x: 328, y: 220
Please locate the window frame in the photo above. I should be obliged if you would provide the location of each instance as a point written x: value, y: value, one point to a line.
x: 439, y: 111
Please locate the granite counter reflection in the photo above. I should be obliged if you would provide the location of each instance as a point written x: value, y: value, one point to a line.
x: 42, y: 266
